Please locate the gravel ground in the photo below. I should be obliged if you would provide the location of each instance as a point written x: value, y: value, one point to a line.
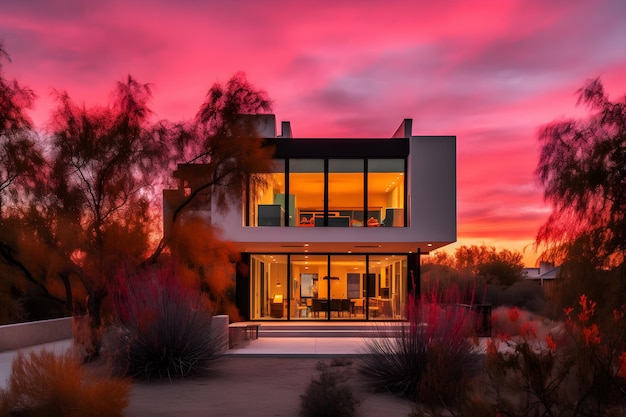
x: 251, y: 386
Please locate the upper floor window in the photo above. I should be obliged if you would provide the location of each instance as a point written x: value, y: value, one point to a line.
x: 331, y: 193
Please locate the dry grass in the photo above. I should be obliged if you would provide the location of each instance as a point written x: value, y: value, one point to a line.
x: 45, y: 384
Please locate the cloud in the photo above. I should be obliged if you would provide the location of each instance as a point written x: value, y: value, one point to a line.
x: 489, y: 72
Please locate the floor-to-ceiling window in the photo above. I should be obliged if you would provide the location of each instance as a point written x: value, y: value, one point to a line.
x: 308, y: 274
x: 328, y: 286
x: 269, y: 286
x: 386, y: 286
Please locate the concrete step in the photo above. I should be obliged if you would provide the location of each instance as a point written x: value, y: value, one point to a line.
x: 329, y: 330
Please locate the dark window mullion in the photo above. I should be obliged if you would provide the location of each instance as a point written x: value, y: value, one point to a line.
x: 365, y: 192
x: 406, y: 187
x: 329, y: 279
x: 287, y: 194
x: 326, y: 193
x: 366, y: 304
x: 288, y: 284
x: 247, y: 202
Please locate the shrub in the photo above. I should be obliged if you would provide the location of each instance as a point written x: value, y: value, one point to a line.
x: 330, y: 395
x: 431, y: 357
x: 575, y: 370
x: 163, y: 327
x: 44, y: 384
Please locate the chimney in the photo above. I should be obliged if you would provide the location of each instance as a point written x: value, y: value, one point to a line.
x: 285, y: 129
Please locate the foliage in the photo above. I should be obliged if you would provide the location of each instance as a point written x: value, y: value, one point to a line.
x: 44, y: 384
x: 163, y: 327
x: 582, y: 168
x: 20, y: 160
x: 571, y: 370
x: 330, y: 395
x: 502, y: 267
x: 434, y: 344
x: 523, y: 294
x: 580, y: 276
x: 441, y: 268
x: 19, y: 155
x: 223, y: 153
x: 207, y: 261
x: 88, y: 203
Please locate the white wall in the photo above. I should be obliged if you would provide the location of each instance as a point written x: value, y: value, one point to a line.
x: 431, y: 201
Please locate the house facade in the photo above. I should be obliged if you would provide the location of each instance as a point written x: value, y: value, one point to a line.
x: 337, y: 232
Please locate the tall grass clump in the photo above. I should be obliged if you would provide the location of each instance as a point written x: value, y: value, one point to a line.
x: 163, y: 327
x: 44, y: 384
x: 329, y: 395
x: 429, y: 358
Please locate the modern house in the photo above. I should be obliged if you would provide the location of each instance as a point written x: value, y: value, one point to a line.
x: 338, y: 231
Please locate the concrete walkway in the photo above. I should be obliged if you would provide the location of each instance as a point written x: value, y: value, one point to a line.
x: 265, y: 346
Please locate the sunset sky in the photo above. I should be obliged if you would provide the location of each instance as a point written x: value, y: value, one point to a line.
x: 489, y: 72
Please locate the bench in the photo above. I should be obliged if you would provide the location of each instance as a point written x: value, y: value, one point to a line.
x: 242, y: 331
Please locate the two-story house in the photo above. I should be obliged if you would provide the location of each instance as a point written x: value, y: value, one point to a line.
x: 338, y: 231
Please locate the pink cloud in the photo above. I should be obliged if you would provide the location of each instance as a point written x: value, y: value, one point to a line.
x: 488, y: 72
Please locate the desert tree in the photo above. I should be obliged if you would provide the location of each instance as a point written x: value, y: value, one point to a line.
x: 582, y: 168
x: 21, y: 164
x: 222, y: 152
x: 97, y: 212
x: 20, y: 157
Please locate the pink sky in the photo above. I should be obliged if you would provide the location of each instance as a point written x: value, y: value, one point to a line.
x: 489, y: 72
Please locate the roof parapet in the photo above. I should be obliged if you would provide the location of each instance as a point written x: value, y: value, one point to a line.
x: 285, y: 130
x: 405, y: 130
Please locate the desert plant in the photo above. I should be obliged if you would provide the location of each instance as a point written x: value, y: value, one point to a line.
x: 45, y: 384
x: 574, y: 370
x: 431, y: 355
x: 163, y: 326
x: 330, y: 395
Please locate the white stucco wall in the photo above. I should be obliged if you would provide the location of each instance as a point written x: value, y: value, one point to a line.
x: 431, y: 199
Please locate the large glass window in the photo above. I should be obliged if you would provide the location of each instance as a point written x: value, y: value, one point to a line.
x: 306, y: 187
x: 267, y: 198
x: 345, y: 192
x: 269, y: 286
x: 353, y: 288
x: 330, y: 193
x: 385, y: 192
x: 386, y: 287
x: 310, y: 286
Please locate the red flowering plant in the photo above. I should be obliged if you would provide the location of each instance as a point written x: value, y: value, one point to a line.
x: 576, y: 368
x: 432, y: 356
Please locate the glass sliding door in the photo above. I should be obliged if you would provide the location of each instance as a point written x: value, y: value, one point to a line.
x: 346, y: 300
x: 328, y: 287
x: 309, y: 286
x: 386, y: 287
x: 269, y: 287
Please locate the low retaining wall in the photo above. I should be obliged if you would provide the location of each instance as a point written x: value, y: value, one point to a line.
x: 21, y: 335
